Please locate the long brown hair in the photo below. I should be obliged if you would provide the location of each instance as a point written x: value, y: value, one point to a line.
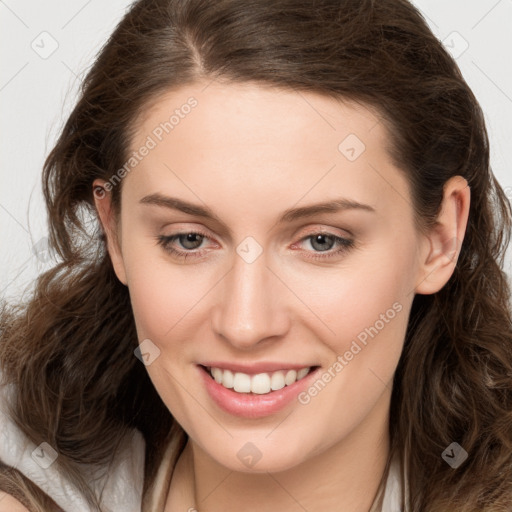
x: 69, y: 350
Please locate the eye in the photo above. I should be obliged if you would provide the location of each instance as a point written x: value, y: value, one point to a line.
x: 323, y: 242
x: 189, y: 240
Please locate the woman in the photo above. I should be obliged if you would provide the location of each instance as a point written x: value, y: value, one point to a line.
x: 199, y: 347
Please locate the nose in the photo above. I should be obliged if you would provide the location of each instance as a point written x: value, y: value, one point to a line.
x: 250, y: 308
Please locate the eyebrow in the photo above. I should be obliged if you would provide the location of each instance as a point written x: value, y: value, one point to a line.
x: 290, y: 215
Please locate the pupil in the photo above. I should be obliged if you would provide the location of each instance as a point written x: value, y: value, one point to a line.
x: 191, y: 238
x: 320, y: 239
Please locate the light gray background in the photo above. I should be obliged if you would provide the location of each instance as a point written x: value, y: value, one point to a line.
x: 37, y: 91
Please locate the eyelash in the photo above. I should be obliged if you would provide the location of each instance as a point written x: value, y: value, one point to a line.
x: 166, y: 241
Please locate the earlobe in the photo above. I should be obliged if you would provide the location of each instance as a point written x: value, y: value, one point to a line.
x: 444, y: 241
x: 103, y: 203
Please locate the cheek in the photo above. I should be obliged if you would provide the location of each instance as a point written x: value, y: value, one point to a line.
x: 165, y: 300
x: 365, y: 293
x: 370, y: 325
x: 367, y: 324
x: 163, y: 294
x: 364, y: 307
x: 370, y: 319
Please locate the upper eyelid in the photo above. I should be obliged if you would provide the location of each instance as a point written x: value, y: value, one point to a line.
x: 318, y: 229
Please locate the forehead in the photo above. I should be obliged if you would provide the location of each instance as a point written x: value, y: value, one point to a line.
x: 247, y: 139
x: 253, y: 113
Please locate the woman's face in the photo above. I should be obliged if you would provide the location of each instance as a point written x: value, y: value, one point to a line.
x: 267, y: 278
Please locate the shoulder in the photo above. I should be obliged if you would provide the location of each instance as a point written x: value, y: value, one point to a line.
x: 9, y: 504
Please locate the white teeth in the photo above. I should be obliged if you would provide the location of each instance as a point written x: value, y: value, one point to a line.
x: 277, y: 381
x: 302, y: 373
x: 241, y: 383
x: 261, y: 383
x: 291, y: 377
x: 228, y: 379
x: 217, y: 374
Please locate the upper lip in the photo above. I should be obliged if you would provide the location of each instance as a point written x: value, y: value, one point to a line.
x: 254, y: 368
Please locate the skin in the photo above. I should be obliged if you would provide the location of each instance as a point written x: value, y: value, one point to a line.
x: 9, y: 504
x: 249, y: 152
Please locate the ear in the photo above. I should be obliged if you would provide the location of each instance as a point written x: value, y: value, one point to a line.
x: 442, y: 245
x: 103, y: 202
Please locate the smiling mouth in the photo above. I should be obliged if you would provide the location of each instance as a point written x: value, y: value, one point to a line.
x: 259, y: 384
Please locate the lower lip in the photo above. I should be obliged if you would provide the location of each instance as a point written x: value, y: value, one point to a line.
x: 250, y: 405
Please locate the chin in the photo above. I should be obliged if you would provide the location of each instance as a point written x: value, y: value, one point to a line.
x: 250, y: 459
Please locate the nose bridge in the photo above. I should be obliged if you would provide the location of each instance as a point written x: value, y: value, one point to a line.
x: 249, y: 308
